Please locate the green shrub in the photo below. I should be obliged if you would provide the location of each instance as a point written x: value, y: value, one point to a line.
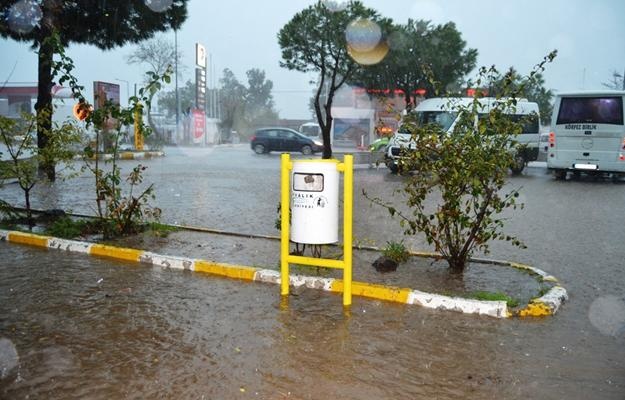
x: 66, y: 227
x: 396, y: 251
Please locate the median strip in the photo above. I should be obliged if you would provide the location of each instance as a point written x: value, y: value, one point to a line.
x: 547, y: 304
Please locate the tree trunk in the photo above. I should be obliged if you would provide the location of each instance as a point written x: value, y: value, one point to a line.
x: 44, y: 107
x: 457, y: 264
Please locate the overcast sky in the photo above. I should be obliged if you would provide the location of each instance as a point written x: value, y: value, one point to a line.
x: 241, y: 34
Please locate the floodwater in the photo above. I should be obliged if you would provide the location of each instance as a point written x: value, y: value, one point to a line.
x: 89, y: 328
x: 92, y: 328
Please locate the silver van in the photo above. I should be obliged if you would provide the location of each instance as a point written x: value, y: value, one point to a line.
x: 587, y: 134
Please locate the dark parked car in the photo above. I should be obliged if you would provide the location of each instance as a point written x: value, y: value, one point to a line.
x: 283, y: 139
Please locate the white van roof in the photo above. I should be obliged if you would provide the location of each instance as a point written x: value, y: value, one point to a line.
x: 443, y: 103
x: 604, y: 92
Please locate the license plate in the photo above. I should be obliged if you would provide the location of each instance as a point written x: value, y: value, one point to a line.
x: 585, y: 166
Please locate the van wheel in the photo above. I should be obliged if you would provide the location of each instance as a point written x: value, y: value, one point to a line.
x: 560, y: 174
x: 259, y: 149
x: 306, y: 150
x: 393, y: 167
x: 518, y: 164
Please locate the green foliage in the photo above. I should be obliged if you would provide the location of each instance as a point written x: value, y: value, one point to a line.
x: 246, y: 107
x: 530, y: 87
x: 422, y: 56
x: 494, y: 296
x: 396, y: 251
x: 87, y: 22
x: 186, y: 94
x: 456, y: 194
x: 313, y: 41
x: 120, y: 213
x: 66, y: 227
x: 18, y: 136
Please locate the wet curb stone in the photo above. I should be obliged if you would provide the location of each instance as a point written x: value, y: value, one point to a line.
x: 127, y: 155
x: 545, y: 305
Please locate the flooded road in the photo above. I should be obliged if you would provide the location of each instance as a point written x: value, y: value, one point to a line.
x: 89, y: 328
x: 97, y: 329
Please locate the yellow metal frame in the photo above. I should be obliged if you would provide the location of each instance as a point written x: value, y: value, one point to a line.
x: 347, y: 168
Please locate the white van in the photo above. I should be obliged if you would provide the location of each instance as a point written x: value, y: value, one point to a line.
x: 587, y: 133
x: 441, y: 111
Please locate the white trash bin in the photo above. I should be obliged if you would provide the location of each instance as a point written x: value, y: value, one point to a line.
x: 315, y: 202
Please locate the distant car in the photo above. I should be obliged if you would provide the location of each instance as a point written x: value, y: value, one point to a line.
x: 379, y: 144
x: 283, y: 139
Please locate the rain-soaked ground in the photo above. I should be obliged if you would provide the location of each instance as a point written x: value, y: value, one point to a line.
x: 91, y: 328
x: 88, y: 328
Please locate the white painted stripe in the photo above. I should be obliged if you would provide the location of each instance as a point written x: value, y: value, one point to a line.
x: 69, y: 245
x: 498, y: 309
x: 167, y: 261
x: 311, y: 282
x: 4, y: 235
x: 554, y: 298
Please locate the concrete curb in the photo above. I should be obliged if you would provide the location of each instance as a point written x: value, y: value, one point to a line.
x: 548, y: 304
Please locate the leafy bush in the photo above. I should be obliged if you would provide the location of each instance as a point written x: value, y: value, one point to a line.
x: 396, y: 251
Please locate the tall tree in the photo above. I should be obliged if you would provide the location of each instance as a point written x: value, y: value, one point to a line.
x: 158, y: 54
x: 313, y: 41
x: 167, y: 100
x: 104, y: 24
x: 616, y: 82
x: 423, y: 56
x: 259, y: 105
x: 531, y: 87
x: 232, y: 100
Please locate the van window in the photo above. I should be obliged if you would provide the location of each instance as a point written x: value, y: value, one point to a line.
x: 529, y: 123
x: 596, y: 110
x: 444, y: 119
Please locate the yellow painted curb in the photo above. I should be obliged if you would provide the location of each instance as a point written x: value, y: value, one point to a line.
x: 227, y: 270
x: 374, y: 291
x: 536, y: 309
x: 119, y: 253
x: 126, y: 155
x: 546, y: 305
x: 28, y: 238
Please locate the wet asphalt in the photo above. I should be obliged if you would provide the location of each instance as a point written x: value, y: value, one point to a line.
x: 574, y: 230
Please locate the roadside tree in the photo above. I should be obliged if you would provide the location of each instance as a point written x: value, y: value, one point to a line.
x: 123, y: 208
x: 616, y: 82
x: 456, y: 190
x: 531, y: 88
x: 313, y: 41
x: 422, y: 57
x: 158, y: 54
x: 18, y: 138
x: 104, y: 24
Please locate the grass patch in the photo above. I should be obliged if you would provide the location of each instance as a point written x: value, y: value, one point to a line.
x: 161, y: 230
x: 396, y: 251
x: 494, y: 296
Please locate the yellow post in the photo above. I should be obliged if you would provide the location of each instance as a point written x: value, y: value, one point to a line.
x: 348, y: 203
x: 285, y: 202
x: 138, y: 116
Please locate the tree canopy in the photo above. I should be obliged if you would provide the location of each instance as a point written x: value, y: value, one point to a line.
x: 315, y: 40
x: 531, y: 87
x: 422, y: 56
x: 104, y: 24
